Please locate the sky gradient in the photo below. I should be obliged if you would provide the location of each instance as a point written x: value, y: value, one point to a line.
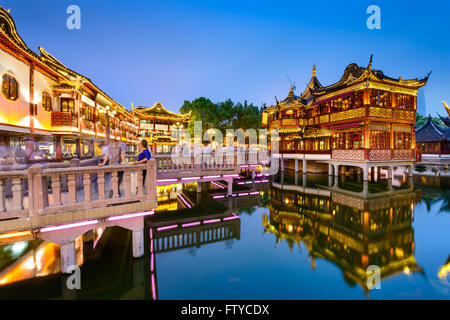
x: 143, y: 51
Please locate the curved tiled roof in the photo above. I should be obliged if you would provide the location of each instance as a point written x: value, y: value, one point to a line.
x: 431, y: 132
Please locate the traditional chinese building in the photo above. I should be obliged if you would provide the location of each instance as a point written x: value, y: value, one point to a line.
x: 365, y: 119
x: 160, y: 127
x: 50, y: 110
x: 432, y: 139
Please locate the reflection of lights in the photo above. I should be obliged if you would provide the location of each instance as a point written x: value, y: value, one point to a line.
x: 290, y: 228
x: 406, y: 270
x: 190, y: 224
x: 444, y: 272
x: 14, y: 234
x: 211, y: 221
x: 167, y: 228
x: 19, y: 247
x: 186, y: 203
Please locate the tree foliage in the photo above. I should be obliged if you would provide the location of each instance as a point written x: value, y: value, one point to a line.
x: 222, y: 115
x: 421, y: 120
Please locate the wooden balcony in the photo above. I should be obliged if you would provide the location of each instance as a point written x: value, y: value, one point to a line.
x: 64, y: 119
x: 350, y: 114
x: 87, y: 125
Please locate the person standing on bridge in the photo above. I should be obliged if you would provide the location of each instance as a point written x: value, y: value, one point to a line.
x: 116, y: 154
x: 144, y: 156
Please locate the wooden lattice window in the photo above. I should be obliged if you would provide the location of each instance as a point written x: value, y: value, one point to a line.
x: 10, y: 87
x: 46, y: 101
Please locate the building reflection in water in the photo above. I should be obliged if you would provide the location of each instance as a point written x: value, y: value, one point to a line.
x: 180, y: 232
x: 349, y: 230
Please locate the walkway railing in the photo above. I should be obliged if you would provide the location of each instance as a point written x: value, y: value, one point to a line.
x: 43, y: 190
x: 167, y: 164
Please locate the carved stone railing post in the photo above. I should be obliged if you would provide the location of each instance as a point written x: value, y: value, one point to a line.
x: 56, y: 190
x: 151, y: 180
x: 76, y: 163
x: 37, y: 189
x: 2, y: 196
x: 17, y: 191
x: 87, y: 187
x: 115, y: 184
x: 140, y: 181
x: 101, y: 185
x: 72, y: 186
x: 127, y: 182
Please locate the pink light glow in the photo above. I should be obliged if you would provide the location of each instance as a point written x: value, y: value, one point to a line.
x: 265, y: 181
x: 218, y: 197
x: 241, y: 182
x: 190, y: 224
x: 190, y: 178
x: 211, y: 221
x: 184, y: 201
x: 167, y: 180
x: 243, y: 194
x: 217, y: 185
x: 167, y: 228
x: 68, y: 226
x: 151, y: 240
x: 152, y: 263
x: 230, y: 218
x: 131, y: 215
x: 254, y: 193
x: 230, y: 175
x: 244, y: 167
x: 153, y: 287
x: 211, y: 177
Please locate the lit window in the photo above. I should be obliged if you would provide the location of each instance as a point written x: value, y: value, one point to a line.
x: 67, y: 105
x: 10, y: 87
x: 46, y: 101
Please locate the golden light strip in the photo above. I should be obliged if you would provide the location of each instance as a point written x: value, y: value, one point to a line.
x: 14, y: 234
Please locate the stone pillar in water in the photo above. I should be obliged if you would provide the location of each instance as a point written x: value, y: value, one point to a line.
x: 138, y: 244
x: 68, y: 257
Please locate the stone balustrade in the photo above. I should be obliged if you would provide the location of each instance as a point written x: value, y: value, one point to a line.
x: 43, y: 190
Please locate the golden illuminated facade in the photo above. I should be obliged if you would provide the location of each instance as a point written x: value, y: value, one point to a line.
x: 160, y: 127
x: 53, y: 112
x: 365, y: 116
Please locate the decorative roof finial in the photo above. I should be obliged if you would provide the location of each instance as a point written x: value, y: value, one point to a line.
x: 369, y: 67
x: 291, y: 92
x: 9, y: 10
x: 314, y: 70
x: 446, y: 108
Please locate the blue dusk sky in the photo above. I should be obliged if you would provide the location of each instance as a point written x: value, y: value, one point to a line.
x: 144, y: 51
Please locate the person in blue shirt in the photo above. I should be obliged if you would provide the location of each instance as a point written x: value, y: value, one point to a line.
x: 144, y: 156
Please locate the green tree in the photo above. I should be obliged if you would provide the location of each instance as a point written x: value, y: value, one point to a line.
x: 421, y: 120
x: 222, y: 115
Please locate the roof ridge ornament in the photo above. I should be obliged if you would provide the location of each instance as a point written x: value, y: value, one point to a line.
x: 314, y: 70
x: 447, y: 108
x: 369, y: 67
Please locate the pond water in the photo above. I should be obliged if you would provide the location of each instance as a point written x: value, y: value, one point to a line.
x: 297, y: 237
